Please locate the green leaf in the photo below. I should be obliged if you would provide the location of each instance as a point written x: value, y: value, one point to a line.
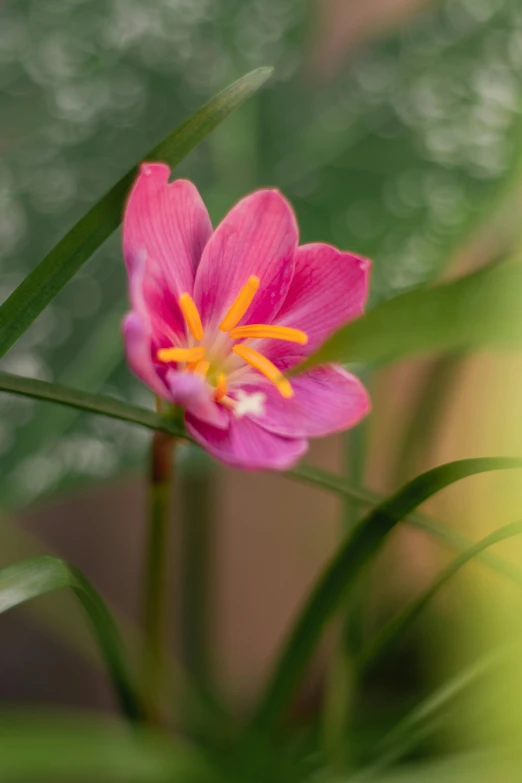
x: 480, y: 309
x: 93, y: 403
x: 392, y: 631
x: 51, y: 747
x: 340, y: 574
x: 58, y: 267
x: 326, y: 480
x: 40, y: 575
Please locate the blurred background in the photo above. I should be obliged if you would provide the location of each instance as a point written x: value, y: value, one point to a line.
x: 394, y: 128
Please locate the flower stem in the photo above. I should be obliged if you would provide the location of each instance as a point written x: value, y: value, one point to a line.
x: 155, y: 577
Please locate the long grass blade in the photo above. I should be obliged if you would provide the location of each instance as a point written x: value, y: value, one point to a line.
x: 338, y: 577
x: 40, y: 575
x: 61, y: 264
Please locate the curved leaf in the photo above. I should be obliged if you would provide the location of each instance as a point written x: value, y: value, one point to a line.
x: 480, y: 309
x: 39, y: 575
x: 336, y: 484
x: 341, y: 572
x: 393, y: 629
x: 58, y: 267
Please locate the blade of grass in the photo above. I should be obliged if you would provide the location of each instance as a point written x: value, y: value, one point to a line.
x: 59, y: 616
x: 93, y: 403
x: 341, y: 572
x: 60, y: 265
x: 40, y: 575
x: 392, y: 631
x: 454, y: 540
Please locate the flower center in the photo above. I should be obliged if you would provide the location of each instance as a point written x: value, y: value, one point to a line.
x: 199, y: 358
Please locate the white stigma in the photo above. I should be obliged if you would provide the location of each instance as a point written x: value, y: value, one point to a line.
x: 249, y: 403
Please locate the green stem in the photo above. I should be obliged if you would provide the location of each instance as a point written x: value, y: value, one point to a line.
x: 155, y: 577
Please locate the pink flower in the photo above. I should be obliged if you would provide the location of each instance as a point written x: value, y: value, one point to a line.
x: 218, y: 316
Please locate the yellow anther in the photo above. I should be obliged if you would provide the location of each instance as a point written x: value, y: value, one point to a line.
x: 221, y: 387
x: 181, y: 354
x: 271, y: 332
x: 202, y: 367
x: 240, y: 304
x: 191, y: 316
x: 265, y: 366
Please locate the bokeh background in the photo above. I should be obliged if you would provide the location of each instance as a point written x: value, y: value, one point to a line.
x: 395, y: 129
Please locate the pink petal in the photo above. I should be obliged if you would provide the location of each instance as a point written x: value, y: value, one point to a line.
x: 151, y: 298
x: 326, y: 399
x: 138, y: 348
x: 329, y: 288
x: 166, y: 226
x: 191, y: 392
x: 258, y: 237
x: 246, y: 445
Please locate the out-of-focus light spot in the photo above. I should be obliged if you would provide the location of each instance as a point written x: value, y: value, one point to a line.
x: 31, y: 365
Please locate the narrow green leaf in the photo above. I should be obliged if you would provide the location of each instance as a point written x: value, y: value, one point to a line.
x: 322, y: 479
x: 93, y: 403
x: 393, y: 630
x: 40, y: 575
x: 338, y: 577
x: 480, y: 309
x: 58, y: 267
x: 53, y: 747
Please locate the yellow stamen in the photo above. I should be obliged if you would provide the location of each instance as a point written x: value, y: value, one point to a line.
x: 191, y: 316
x: 181, y: 354
x: 221, y: 387
x: 201, y: 367
x: 270, y: 332
x: 265, y: 366
x: 240, y: 304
